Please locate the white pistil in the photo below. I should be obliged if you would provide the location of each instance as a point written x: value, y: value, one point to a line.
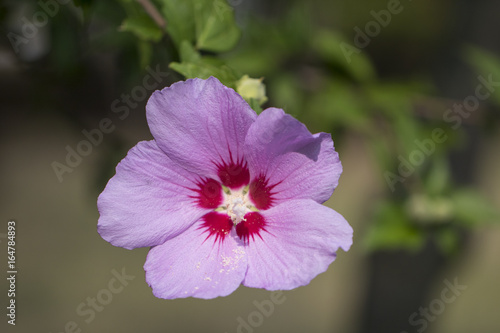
x: 237, y: 205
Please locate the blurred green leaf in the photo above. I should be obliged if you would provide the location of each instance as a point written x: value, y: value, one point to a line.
x: 216, y: 29
x: 438, y: 177
x: 285, y: 93
x: 471, y: 209
x: 179, y: 15
x: 447, y: 239
x: 393, y: 101
x: 331, y: 47
x: 188, y: 54
x: 206, y: 67
x: 393, y: 229
x: 267, y: 46
x: 208, y: 24
x: 194, y: 65
x: 143, y: 27
x: 339, y: 105
x: 487, y: 64
x: 255, y: 105
x: 381, y: 150
x: 145, y: 50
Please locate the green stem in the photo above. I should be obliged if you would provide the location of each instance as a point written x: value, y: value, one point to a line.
x: 153, y: 12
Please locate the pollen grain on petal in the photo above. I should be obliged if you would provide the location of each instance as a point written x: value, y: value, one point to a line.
x: 231, y: 262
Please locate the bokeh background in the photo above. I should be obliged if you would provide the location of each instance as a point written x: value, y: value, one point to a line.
x: 437, y: 227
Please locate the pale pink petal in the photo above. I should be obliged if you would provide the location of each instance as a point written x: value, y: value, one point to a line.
x: 287, y: 162
x: 298, y: 240
x: 151, y: 199
x: 201, y: 125
x: 196, y: 264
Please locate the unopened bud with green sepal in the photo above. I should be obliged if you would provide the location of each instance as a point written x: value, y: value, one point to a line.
x: 252, y: 90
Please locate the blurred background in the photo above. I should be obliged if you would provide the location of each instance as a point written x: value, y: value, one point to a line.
x: 410, y: 91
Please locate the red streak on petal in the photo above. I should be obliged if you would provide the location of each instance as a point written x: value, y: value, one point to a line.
x: 252, y: 225
x: 260, y: 193
x: 217, y: 224
x: 209, y: 193
x: 234, y: 175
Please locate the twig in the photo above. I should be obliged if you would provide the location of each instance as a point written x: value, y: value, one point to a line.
x: 154, y: 13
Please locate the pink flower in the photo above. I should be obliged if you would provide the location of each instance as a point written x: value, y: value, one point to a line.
x: 224, y: 197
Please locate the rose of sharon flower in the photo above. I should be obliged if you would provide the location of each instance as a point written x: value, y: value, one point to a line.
x: 224, y: 197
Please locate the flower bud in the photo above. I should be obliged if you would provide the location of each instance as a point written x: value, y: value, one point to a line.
x: 250, y: 88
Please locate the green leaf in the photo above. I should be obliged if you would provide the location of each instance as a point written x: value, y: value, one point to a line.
x: 208, y: 24
x: 269, y: 46
x: 179, y: 15
x: 286, y: 93
x: 204, y: 69
x: 438, y: 177
x: 145, y: 50
x: 381, y: 150
x: 394, y: 100
x: 216, y: 29
x: 448, y: 240
x: 333, y: 48
x: 194, y: 65
x: 255, y: 105
x: 392, y: 229
x: 471, y: 209
x: 187, y: 53
x: 338, y: 104
x: 143, y: 27
x: 487, y: 64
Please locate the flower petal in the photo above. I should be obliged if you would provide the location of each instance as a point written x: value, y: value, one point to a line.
x: 201, y: 124
x: 299, y: 242
x: 151, y: 199
x: 287, y: 162
x: 196, y: 264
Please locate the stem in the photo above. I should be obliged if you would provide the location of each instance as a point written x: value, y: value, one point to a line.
x: 153, y: 12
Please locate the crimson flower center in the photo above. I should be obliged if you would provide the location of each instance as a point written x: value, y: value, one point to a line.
x: 236, y: 202
x: 236, y: 209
